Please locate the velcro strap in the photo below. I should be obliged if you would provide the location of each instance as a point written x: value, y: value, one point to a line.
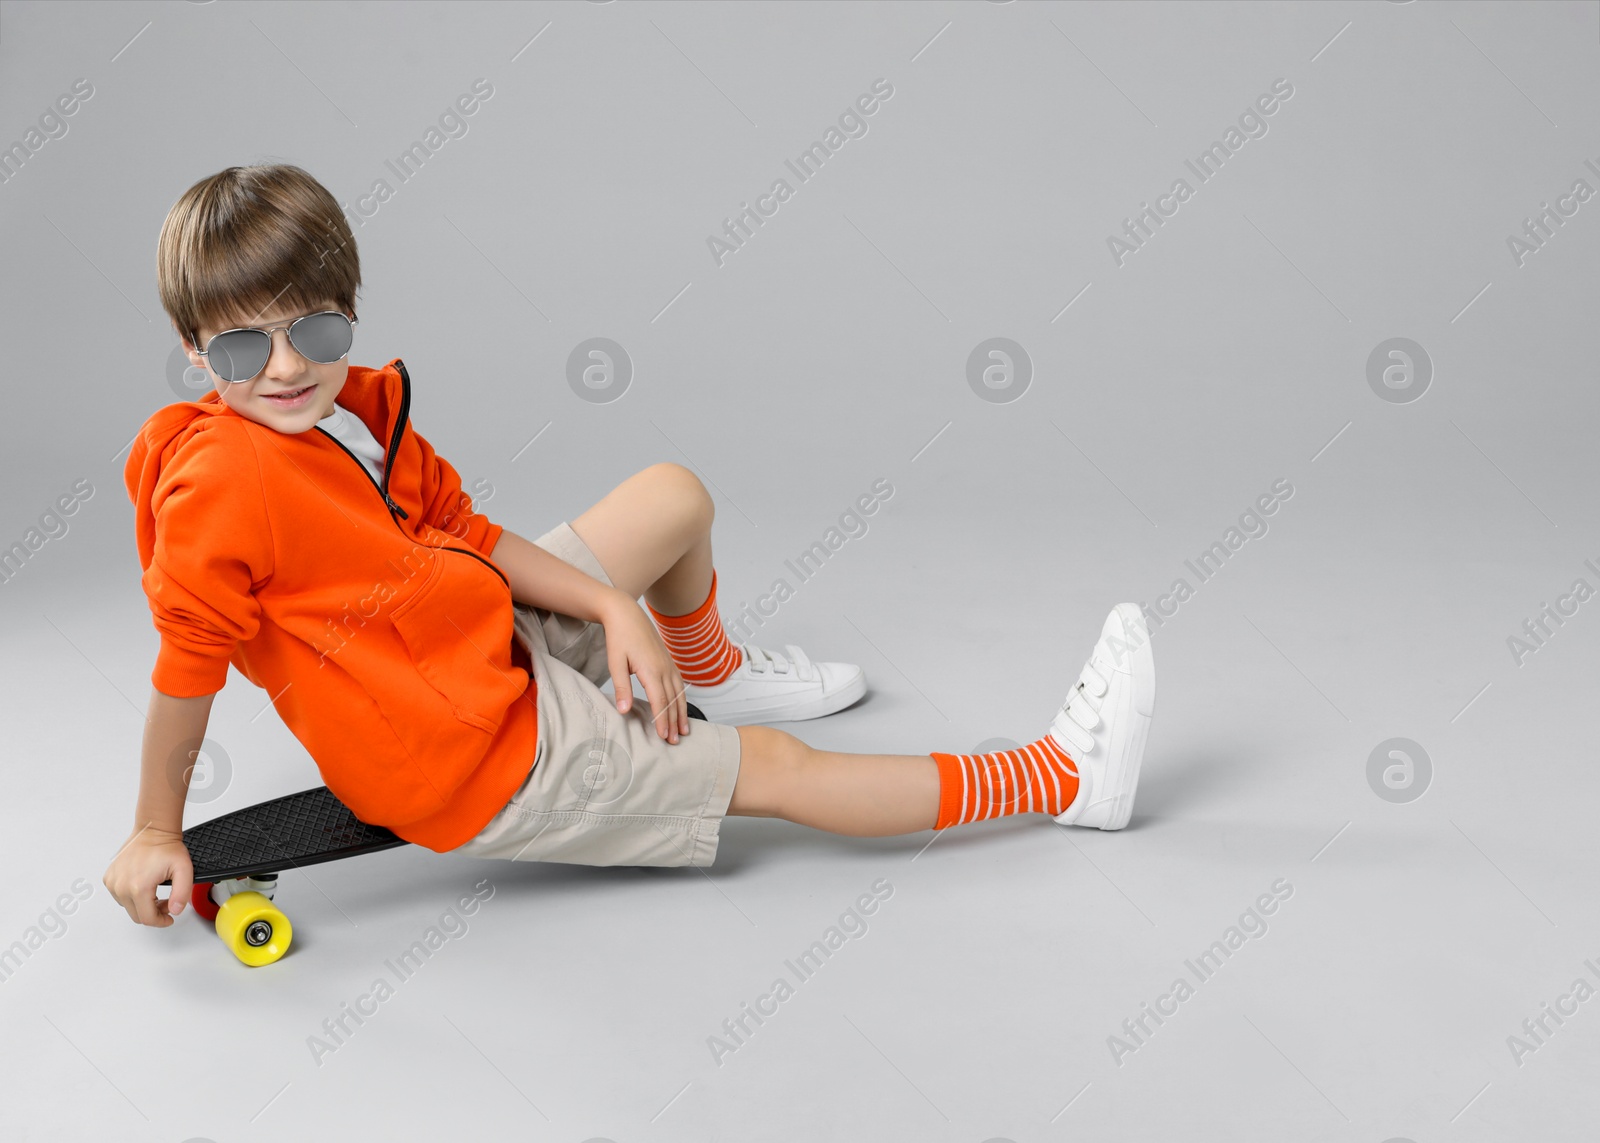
x: 1076, y: 737
x: 1080, y: 712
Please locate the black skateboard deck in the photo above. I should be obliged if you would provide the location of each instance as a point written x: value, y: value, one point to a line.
x: 285, y: 833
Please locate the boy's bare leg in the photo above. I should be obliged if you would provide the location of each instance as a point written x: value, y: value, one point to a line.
x: 863, y: 795
x: 652, y: 534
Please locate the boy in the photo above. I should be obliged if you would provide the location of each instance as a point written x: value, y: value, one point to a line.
x: 444, y: 672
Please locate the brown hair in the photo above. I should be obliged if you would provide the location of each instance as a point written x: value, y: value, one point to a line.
x: 247, y: 238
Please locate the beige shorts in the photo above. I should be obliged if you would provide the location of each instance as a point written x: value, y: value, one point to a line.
x: 605, y: 788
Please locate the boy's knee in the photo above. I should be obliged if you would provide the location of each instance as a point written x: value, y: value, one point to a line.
x: 781, y: 752
x: 772, y: 765
x: 686, y: 489
x: 794, y: 755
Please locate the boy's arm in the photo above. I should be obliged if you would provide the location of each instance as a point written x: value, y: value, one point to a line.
x: 154, y: 851
x: 447, y: 507
x: 633, y: 646
x: 539, y: 579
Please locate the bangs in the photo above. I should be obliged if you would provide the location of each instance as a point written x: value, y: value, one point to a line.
x: 249, y: 240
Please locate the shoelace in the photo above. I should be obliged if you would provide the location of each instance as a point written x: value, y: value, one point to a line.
x: 762, y: 662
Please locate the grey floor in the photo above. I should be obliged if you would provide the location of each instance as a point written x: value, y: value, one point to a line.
x: 1417, y: 926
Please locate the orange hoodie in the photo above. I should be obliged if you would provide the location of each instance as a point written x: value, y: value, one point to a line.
x: 371, y: 613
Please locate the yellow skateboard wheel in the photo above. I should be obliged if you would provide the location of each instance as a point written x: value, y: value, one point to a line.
x: 253, y: 928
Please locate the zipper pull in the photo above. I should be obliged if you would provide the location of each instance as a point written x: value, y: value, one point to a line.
x: 393, y: 507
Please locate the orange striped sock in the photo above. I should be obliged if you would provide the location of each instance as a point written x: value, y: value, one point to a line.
x: 698, y: 643
x: 1037, y: 778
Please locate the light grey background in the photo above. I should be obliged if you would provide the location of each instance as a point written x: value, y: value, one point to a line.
x: 1167, y: 394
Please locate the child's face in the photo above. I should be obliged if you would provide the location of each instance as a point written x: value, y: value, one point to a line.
x: 286, y: 370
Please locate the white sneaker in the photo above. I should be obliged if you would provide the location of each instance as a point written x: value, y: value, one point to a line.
x: 768, y: 687
x: 1105, y: 721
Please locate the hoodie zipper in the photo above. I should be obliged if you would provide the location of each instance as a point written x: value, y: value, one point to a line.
x: 388, y: 466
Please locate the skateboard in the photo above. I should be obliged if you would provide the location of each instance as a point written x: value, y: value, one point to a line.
x: 237, y: 858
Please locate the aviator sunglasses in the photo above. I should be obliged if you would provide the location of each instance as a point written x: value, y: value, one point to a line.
x: 241, y: 354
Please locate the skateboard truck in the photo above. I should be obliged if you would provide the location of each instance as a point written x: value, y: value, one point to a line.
x: 237, y: 858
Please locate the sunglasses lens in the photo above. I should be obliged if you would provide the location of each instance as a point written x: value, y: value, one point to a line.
x: 323, y: 338
x: 239, y: 354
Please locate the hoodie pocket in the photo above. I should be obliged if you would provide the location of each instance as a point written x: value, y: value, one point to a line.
x: 451, y: 628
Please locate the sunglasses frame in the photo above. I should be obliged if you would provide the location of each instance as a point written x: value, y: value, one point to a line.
x: 269, y: 331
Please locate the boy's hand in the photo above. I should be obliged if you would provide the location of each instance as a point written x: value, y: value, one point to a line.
x: 148, y: 858
x: 634, y: 647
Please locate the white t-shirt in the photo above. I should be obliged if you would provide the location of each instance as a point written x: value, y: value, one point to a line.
x: 353, y: 433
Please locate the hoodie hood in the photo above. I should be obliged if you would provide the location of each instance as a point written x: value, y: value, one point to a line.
x: 378, y: 396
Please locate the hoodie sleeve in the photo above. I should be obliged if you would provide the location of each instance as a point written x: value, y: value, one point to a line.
x: 449, y: 509
x: 212, y: 546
